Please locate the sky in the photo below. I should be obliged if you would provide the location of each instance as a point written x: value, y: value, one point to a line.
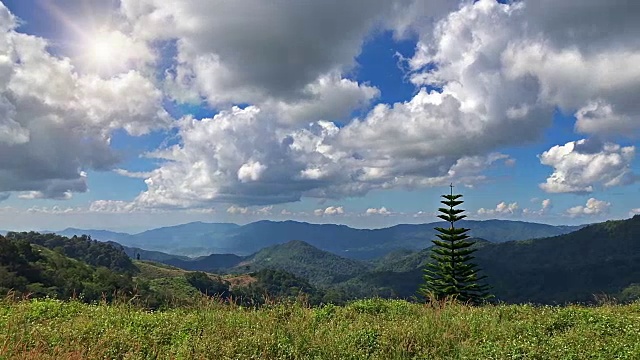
x: 134, y: 114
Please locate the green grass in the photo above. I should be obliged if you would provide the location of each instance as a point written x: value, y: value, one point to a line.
x: 367, y: 329
x: 153, y: 270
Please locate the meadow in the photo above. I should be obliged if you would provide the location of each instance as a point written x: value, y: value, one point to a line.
x: 364, y: 329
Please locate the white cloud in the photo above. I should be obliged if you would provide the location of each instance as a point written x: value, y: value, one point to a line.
x: 94, y: 51
x: 381, y: 211
x: 599, y: 117
x: 251, y: 171
x: 545, y: 207
x: 328, y: 98
x: 500, y: 71
x: 237, y: 210
x: 634, y: 212
x: 271, y: 50
x: 56, y: 123
x: 581, y: 165
x: 593, y: 207
x: 331, y: 210
x: 53, y: 210
x: 421, y: 213
x: 502, y: 208
x: 503, y: 69
x: 240, y: 157
x: 112, y: 206
x: 132, y: 174
x: 266, y: 210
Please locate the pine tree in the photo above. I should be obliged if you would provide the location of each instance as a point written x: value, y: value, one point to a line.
x: 452, y: 274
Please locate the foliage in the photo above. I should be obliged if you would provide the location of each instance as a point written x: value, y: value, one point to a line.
x: 81, y: 248
x: 207, y: 285
x: 273, y: 284
x: 452, y: 274
x: 367, y: 329
x: 321, y: 268
x: 630, y: 293
x: 209, y: 263
x: 35, y: 271
x: 600, y: 258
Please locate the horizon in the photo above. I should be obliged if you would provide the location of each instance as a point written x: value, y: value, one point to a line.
x: 135, y: 232
x: 131, y: 115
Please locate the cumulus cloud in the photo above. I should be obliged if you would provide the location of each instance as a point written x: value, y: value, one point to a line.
x: 593, y: 207
x: 237, y: 157
x: 501, y: 70
x: 487, y: 75
x: 633, y: 212
x: 329, y: 98
x: 55, y: 123
x: 381, y: 211
x: 502, y: 208
x: 249, y: 51
x: 241, y: 157
x: 545, y: 206
x: 331, y: 210
x: 581, y: 165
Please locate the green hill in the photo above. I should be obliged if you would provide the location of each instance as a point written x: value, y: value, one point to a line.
x: 299, y: 258
x: 49, y: 265
x: 601, y: 258
x: 36, y: 271
x: 210, y: 263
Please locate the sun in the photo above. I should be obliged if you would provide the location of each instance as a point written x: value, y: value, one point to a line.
x: 101, y: 52
x: 108, y: 52
x: 97, y: 45
x: 98, y: 52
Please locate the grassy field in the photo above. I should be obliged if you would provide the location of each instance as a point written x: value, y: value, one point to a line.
x: 367, y: 329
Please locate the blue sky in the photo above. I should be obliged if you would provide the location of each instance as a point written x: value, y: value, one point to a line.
x: 129, y: 115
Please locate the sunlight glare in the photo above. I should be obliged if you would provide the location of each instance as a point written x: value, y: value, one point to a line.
x: 101, y: 52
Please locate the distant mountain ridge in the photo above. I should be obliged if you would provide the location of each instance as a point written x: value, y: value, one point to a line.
x: 600, y: 258
x: 203, y: 239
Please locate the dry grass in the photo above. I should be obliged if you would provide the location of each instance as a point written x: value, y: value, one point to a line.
x: 152, y: 270
x: 236, y: 281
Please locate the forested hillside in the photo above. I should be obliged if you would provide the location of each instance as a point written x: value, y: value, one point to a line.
x: 48, y: 265
x: 599, y: 259
x: 26, y: 268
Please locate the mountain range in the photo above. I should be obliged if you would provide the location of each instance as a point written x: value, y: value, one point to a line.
x: 599, y: 258
x: 201, y: 239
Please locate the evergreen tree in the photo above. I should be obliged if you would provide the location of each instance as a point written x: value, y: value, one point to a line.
x: 452, y: 274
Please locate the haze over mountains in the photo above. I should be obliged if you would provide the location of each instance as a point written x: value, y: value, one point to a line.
x: 601, y: 258
x: 202, y: 239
